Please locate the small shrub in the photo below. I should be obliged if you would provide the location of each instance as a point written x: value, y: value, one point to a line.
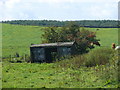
x: 73, y: 62
x: 98, y: 57
x: 95, y: 57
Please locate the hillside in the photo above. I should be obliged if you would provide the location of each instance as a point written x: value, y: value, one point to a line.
x: 18, y: 38
x: 107, y: 36
x: 96, y: 69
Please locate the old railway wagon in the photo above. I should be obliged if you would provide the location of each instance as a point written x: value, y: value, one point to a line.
x: 47, y: 52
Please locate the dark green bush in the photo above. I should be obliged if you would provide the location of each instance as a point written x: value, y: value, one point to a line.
x: 74, y: 62
x: 99, y: 56
x: 95, y: 57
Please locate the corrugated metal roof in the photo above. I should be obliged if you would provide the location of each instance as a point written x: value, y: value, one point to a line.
x: 53, y: 44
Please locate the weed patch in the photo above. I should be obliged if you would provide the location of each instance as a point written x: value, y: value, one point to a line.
x: 99, y: 56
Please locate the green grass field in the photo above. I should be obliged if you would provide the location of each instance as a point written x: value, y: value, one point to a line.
x: 25, y: 75
x: 107, y: 36
x: 17, y: 38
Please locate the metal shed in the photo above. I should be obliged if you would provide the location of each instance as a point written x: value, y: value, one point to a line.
x: 47, y: 52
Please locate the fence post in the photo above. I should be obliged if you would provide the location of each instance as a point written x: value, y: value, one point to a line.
x: 24, y: 57
x: 10, y: 57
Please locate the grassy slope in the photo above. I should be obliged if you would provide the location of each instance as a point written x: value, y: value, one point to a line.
x: 107, y: 36
x: 25, y: 75
x: 17, y: 38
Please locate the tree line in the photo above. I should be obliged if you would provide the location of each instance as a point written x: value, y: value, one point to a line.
x: 81, y: 23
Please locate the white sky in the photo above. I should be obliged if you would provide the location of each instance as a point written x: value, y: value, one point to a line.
x: 58, y: 9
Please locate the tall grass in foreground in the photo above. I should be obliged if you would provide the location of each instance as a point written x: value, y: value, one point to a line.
x: 71, y: 73
x: 101, y: 63
x: 100, y: 56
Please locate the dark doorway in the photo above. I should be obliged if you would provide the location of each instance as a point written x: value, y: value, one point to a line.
x: 50, y: 54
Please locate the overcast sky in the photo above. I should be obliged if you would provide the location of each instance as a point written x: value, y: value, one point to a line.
x: 58, y: 9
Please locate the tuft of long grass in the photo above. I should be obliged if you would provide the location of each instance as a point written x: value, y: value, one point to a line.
x: 100, y: 56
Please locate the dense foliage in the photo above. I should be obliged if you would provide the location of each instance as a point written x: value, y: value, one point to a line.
x: 85, y: 23
x: 72, y: 32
